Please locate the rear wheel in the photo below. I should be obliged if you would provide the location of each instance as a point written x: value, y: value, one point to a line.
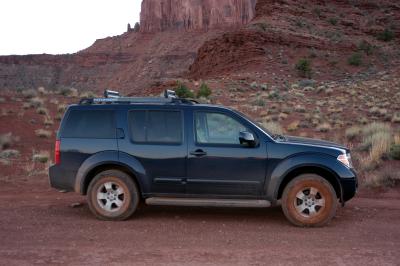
x: 309, y: 200
x: 113, y: 195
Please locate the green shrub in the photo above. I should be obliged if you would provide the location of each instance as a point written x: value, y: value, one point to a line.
x: 387, y: 35
x: 395, y: 152
x: 333, y: 21
x: 304, y: 68
x: 263, y: 26
x: 259, y: 102
x: 355, y: 59
x: 204, y: 91
x: 183, y: 92
x: 365, y: 47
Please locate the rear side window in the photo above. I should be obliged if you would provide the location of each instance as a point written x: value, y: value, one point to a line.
x: 98, y: 124
x: 163, y: 127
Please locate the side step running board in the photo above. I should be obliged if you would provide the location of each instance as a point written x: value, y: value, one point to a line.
x: 241, y: 203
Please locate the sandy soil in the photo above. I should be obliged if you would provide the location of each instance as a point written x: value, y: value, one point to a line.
x: 39, y: 226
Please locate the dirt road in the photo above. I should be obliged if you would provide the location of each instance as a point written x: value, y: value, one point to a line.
x: 39, y: 226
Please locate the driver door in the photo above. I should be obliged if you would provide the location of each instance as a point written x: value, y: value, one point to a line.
x: 217, y: 163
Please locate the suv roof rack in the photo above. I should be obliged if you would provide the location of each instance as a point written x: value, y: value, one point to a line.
x: 113, y: 97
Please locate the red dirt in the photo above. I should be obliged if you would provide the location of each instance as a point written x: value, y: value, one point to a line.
x: 39, y: 226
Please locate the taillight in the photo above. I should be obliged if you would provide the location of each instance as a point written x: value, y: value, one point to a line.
x: 57, y: 158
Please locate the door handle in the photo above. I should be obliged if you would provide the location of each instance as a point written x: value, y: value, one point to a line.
x: 198, y: 153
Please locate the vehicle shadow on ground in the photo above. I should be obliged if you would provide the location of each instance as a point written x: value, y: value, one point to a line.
x: 273, y: 215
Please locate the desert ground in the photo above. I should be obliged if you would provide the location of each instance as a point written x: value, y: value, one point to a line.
x: 40, y: 226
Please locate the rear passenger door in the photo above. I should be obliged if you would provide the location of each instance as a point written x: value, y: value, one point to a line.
x: 156, y: 139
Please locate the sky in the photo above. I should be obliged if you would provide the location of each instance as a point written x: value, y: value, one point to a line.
x: 61, y: 26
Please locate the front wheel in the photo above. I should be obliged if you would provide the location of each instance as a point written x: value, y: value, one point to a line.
x: 113, y: 195
x: 309, y: 200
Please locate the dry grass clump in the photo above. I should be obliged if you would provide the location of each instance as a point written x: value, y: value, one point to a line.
x: 273, y: 127
x: 42, y: 91
x: 48, y: 121
x: 42, y: 111
x: 395, y: 149
x: 29, y: 93
x: 36, y: 102
x: 6, y: 141
x: 8, y: 154
x: 396, y: 118
x: 386, y: 177
x: 353, y: 132
x: 41, y: 157
x: 377, y: 140
x: 69, y: 92
x: 61, y: 108
x: 293, y: 126
x: 324, y: 127
x: 87, y: 94
x: 373, y: 131
x: 42, y: 133
x: 380, y: 146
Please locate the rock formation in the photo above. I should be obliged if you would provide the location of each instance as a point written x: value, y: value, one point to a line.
x: 161, y: 15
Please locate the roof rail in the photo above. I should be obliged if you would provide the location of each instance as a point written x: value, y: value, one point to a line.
x: 113, y: 97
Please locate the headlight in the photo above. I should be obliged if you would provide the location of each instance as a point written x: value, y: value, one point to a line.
x: 345, y: 159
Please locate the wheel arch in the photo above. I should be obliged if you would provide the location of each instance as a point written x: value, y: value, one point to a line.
x: 324, y: 172
x: 104, y: 167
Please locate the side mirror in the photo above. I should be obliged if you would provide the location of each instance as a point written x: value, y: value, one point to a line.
x: 247, y: 138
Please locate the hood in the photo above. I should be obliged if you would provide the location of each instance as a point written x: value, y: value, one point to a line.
x: 315, y: 142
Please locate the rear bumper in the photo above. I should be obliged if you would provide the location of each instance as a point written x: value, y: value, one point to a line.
x: 61, y: 179
x: 349, y: 187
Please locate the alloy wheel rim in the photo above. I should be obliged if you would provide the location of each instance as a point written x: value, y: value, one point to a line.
x: 309, y: 202
x: 110, y: 196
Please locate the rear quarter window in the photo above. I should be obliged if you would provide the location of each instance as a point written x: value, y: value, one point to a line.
x: 156, y: 127
x: 89, y: 124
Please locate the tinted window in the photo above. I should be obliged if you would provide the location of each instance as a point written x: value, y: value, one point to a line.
x: 89, y: 124
x: 156, y: 126
x: 217, y: 128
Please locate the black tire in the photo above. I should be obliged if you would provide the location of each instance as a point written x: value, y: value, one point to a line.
x: 113, y: 196
x: 309, y: 200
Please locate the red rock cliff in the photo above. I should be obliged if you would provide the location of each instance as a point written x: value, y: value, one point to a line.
x: 160, y: 15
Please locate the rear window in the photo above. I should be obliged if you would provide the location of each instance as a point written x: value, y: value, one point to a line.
x: 164, y: 127
x: 98, y: 124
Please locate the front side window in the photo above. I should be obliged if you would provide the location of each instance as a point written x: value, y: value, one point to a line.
x: 156, y: 126
x: 98, y: 124
x: 217, y: 128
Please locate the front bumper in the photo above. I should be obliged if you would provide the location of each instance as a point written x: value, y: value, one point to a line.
x: 349, y: 187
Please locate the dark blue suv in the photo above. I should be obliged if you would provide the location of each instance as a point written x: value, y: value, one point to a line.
x: 169, y: 151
